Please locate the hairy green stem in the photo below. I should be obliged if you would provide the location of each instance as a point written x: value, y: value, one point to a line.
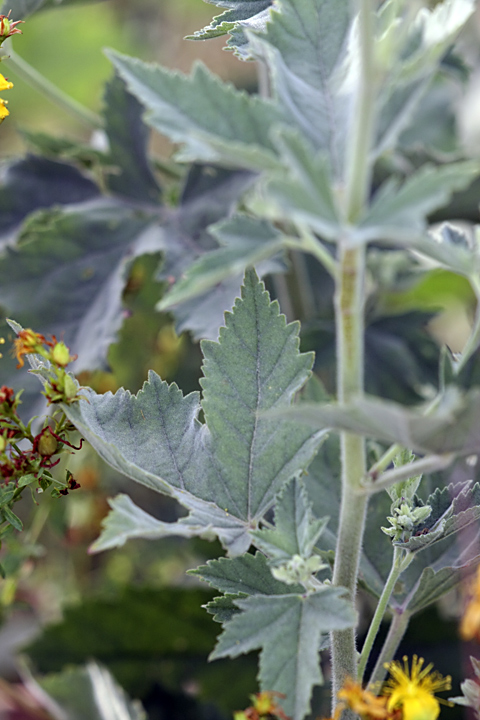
x: 399, y: 564
x: 387, y: 458
x: 350, y: 325
x: 397, y: 630
x: 349, y: 313
x: 37, y: 81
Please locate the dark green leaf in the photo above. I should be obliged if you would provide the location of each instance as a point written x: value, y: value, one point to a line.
x: 34, y: 183
x: 74, y: 264
x: 128, y: 140
x: 10, y: 516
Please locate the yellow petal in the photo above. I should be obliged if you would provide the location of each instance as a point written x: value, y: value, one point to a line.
x: 3, y: 110
x: 5, y: 84
x: 421, y: 707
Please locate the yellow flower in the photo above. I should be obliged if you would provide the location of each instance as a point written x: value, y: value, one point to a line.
x: 4, y: 85
x: 361, y: 701
x: 470, y: 625
x: 413, y: 690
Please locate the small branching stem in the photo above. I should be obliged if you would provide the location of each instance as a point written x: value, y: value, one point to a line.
x: 39, y: 82
x: 397, y: 630
x: 401, y: 560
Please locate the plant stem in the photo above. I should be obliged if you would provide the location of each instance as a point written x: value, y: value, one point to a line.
x: 38, y: 82
x: 399, y: 564
x: 387, y: 458
x: 310, y: 244
x: 349, y: 317
x: 349, y: 314
x: 428, y: 464
x: 396, y: 632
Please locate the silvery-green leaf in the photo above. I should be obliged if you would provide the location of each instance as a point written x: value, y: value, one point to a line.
x: 227, y: 471
x: 214, y: 121
x: 245, y: 575
x: 126, y: 521
x: 243, y: 241
x: 302, y: 190
x: 304, y: 42
x: 398, y: 212
x: 296, y: 529
x: 288, y: 629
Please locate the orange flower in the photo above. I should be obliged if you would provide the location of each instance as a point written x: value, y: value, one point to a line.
x: 8, y: 28
x: 27, y: 342
x: 361, y: 701
x: 470, y: 624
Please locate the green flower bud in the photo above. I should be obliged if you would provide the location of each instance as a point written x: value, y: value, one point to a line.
x: 47, y: 443
x: 60, y: 354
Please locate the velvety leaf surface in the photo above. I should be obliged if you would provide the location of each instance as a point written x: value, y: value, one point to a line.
x: 215, y: 122
x: 323, y: 484
x: 302, y: 189
x: 413, y: 65
x: 245, y: 575
x: 228, y: 471
x: 243, y: 241
x: 232, y: 20
x: 127, y: 521
x: 254, y: 367
x: 209, y: 195
x: 454, y: 508
x: 128, y: 140
x: 296, y: 529
x: 74, y: 264
x: 288, y: 629
x: 398, y: 212
x: 304, y: 42
x: 437, y: 569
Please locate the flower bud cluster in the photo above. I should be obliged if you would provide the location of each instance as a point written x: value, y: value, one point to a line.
x: 26, y: 458
x: 298, y: 569
x: 62, y: 387
x: 405, y: 516
x: 9, y: 27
